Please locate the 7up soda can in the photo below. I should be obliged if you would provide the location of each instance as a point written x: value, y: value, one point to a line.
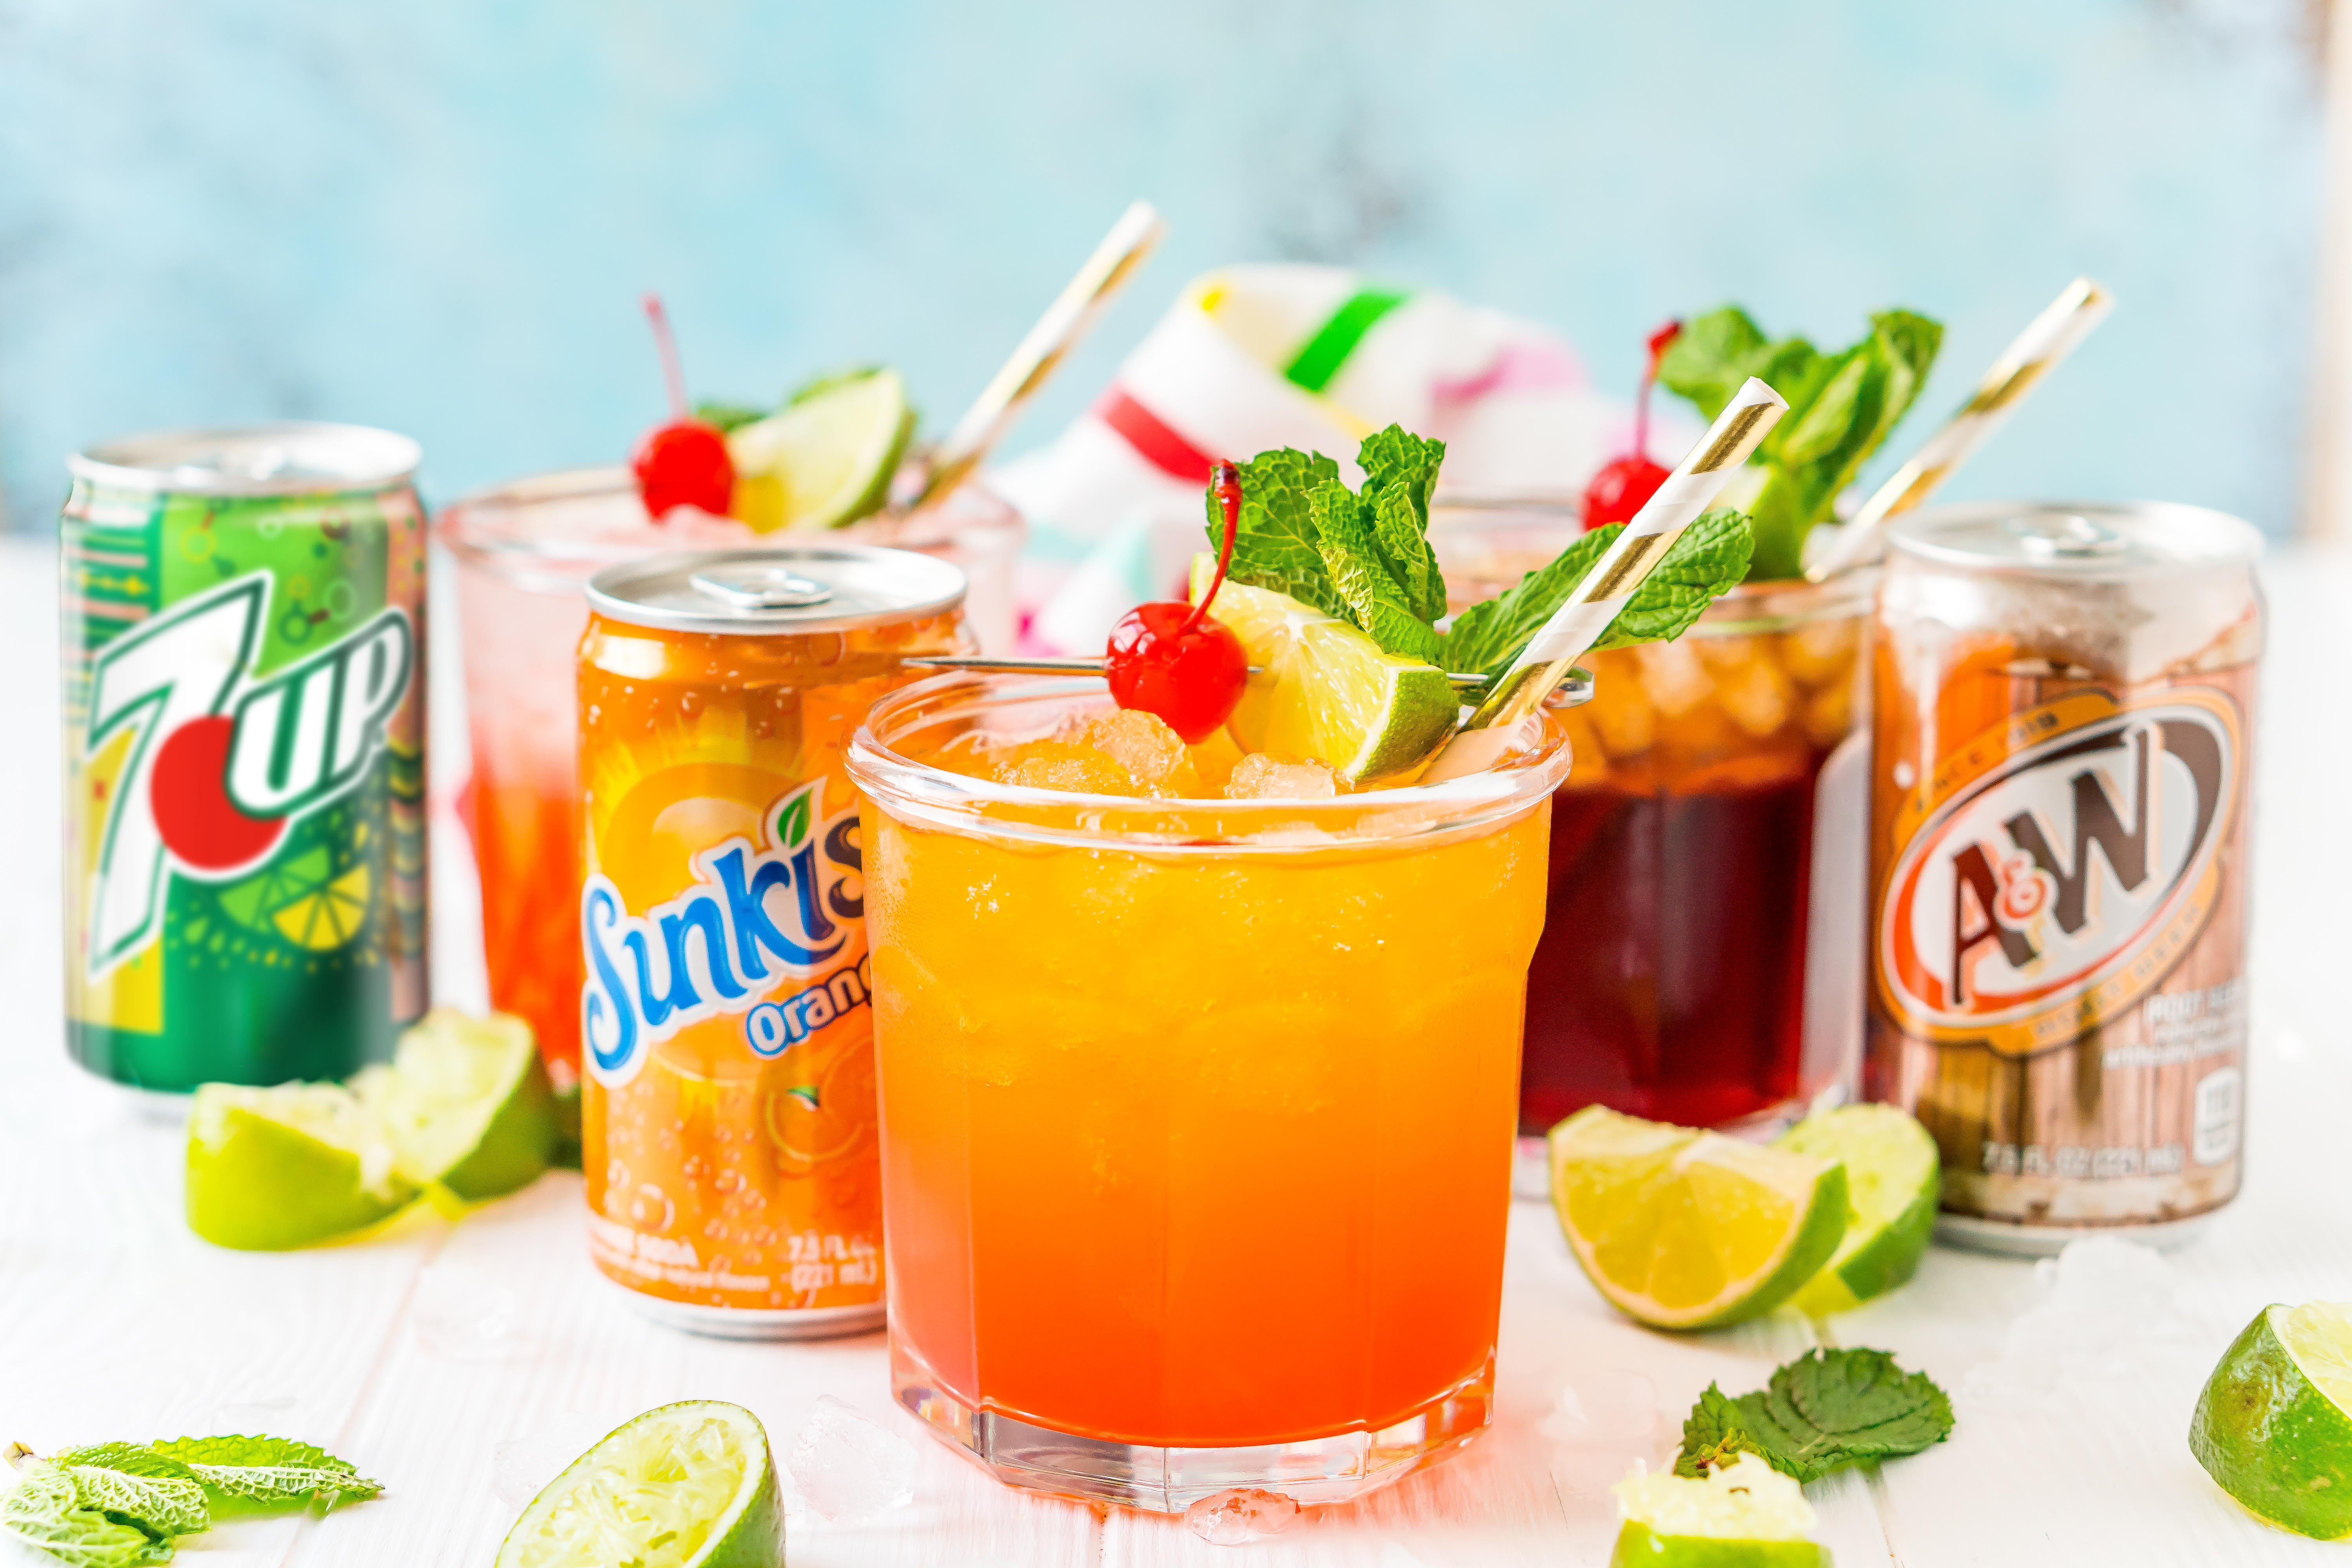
x: 245, y: 727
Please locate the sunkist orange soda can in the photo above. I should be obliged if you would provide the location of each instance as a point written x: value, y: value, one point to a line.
x: 727, y: 1114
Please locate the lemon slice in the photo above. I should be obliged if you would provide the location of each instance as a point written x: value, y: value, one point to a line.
x: 825, y: 460
x: 688, y: 1485
x: 1686, y: 1229
x: 1327, y: 693
x: 1894, y: 1181
x: 1745, y: 1515
x: 270, y: 1169
x: 2274, y: 1427
x: 466, y: 1103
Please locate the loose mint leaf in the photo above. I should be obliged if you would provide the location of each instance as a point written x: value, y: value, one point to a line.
x: 1714, y: 1435
x: 139, y: 1486
x: 1275, y: 545
x: 269, y: 1469
x: 44, y: 1510
x: 1710, y: 557
x: 1863, y: 1403
x: 1377, y: 601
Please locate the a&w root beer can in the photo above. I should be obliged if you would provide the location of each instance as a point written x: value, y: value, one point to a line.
x: 2064, y: 697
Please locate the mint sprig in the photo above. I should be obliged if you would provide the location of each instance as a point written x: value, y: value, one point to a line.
x: 1825, y: 1410
x: 134, y: 1483
x: 112, y: 1504
x: 269, y: 1469
x: 43, y: 1509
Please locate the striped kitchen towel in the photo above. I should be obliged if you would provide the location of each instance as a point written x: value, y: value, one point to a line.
x: 1285, y: 356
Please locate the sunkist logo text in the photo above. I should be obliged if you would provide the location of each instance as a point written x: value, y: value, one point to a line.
x: 753, y: 919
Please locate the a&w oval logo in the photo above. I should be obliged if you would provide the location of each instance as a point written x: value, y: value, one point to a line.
x: 2054, y: 890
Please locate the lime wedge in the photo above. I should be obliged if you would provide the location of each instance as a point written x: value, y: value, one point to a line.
x: 270, y: 1169
x: 1893, y: 1181
x: 1328, y: 693
x: 826, y: 460
x: 2274, y: 1427
x: 466, y: 1104
x: 1745, y: 1515
x: 1686, y: 1229
x: 685, y: 1486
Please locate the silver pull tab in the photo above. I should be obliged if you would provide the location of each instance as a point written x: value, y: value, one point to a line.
x: 2063, y: 536
x: 760, y: 585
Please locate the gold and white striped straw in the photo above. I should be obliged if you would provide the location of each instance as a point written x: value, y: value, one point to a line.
x: 1067, y: 321
x: 2052, y: 336
x: 1573, y: 628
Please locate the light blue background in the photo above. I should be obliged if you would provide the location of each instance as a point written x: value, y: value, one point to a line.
x: 437, y: 215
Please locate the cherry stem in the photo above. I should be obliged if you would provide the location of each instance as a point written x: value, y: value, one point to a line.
x: 666, y: 343
x: 1660, y: 341
x: 1226, y: 480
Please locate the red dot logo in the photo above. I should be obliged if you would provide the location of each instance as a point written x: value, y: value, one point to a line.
x: 200, y: 825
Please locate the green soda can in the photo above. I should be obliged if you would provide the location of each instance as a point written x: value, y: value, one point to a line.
x: 244, y: 648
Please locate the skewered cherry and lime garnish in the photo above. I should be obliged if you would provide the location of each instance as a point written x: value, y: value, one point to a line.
x: 684, y: 462
x: 1170, y: 658
x: 1623, y: 487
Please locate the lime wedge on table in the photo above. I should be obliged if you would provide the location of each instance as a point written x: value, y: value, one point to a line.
x: 2274, y: 1427
x: 685, y: 1486
x: 270, y: 1169
x: 1745, y: 1515
x: 1327, y: 693
x: 1893, y: 1181
x: 1685, y: 1229
x: 466, y: 1103
x: 826, y: 458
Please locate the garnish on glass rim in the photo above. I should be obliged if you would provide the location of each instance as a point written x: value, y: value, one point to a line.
x: 1170, y: 658
x: 684, y: 462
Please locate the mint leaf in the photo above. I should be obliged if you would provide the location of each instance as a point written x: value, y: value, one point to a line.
x: 1274, y: 543
x: 1400, y: 477
x: 1377, y: 601
x: 138, y: 1486
x: 269, y: 1469
x: 724, y: 417
x: 1710, y: 556
x: 1861, y: 1402
x: 44, y: 1510
x: 1714, y: 1435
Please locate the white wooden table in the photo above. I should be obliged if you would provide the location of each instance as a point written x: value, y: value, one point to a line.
x: 431, y: 1358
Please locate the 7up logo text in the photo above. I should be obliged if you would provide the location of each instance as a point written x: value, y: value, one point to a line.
x: 220, y: 762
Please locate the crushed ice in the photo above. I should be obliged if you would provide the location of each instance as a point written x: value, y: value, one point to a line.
x: 1239, y: 1515
x: 463, y: 1314
x: 1602, y: 1425
x: 846, y: 1465
x: 2111, y: 1315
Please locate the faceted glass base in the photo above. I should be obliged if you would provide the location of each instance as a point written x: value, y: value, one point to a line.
x: 1328, y: 1469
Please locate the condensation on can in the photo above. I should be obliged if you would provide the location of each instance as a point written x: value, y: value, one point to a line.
x: 2064, y: 702
x: 243, y: 623
x: 729, y: 1128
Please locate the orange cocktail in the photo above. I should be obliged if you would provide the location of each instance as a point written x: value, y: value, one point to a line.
x: 1197, y: 1116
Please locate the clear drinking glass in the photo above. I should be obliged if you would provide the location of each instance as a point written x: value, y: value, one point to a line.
x: 525, y: 552
x: 1197, y: 1116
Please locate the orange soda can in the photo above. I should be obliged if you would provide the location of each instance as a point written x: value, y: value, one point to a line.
x: 727, y: 1113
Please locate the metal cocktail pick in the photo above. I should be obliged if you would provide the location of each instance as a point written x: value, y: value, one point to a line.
x: 1067, y: 320
x: 1519, y: 691
x: 2050, y: 337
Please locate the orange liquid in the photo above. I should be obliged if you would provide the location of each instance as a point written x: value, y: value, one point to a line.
x: 527, y: 842
x: 1206, y: 1152
x: 734, y: 1163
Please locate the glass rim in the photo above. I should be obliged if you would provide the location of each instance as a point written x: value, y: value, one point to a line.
x: 1414, y: 816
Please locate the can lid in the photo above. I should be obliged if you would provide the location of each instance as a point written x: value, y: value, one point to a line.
x: 781, y: 589
x: 2098, y: 539
x: 292, y: 457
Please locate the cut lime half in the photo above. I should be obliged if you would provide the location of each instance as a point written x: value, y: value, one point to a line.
x: 688, y: 1485
x: 466, y: 1103
x: 1685, y: 1229
x: 1893, y: 1180
x: 1745, y: 1515
x: 2274, y: 1427
x: 270, y: 1169
x: 826, y: 460
x: 1328, y: 694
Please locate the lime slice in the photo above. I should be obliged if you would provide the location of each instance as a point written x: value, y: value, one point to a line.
x: 466, y: 1104
x: 684, y: 1485
x: 1328, y: 693
x: 1686, y: 1229
x: 1894, y: 1181
x: 826, y: 460
x: 1745, y: 1515
x: 2274, y: 1427
x: 270, y: 1169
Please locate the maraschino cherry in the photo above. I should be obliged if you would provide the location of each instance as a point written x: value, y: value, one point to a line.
x: 684, y: 462
x: 1170, y: 658
x: 1624, y: 486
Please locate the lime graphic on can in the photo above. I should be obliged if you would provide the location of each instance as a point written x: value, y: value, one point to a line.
x: 245, y: 706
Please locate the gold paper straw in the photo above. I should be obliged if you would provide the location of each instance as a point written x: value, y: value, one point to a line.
x: 1553, y: 651
x: 1067, y: 320
x: 2050, y: 337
